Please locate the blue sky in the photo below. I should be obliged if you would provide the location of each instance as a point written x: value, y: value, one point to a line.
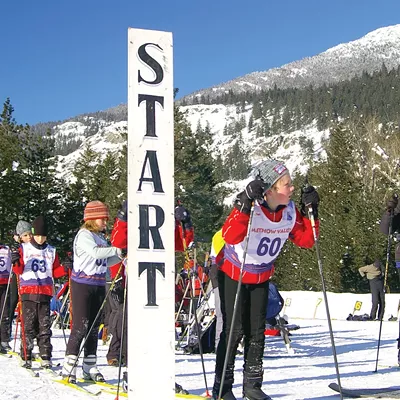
x: 64, y: 58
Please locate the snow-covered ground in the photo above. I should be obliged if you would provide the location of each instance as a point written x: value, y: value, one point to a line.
x: 304, y: 375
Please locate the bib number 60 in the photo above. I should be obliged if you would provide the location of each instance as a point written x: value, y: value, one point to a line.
x: 268, y: 246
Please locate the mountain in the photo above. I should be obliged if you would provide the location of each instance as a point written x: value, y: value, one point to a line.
x: 336, y: 64
x: 297, y: 146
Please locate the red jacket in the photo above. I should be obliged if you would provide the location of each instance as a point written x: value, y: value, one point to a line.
x: 235, y: 229
x: 183, y: 236
x: 119, y: 235
x: 119, y: 238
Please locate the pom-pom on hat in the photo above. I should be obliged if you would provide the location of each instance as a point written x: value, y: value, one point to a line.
x: 39, y: 226
x: 270, y: 171
x: 23, y: 227
x: 95, y: 210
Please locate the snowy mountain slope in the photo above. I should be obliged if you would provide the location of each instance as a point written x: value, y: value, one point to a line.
x: 106, y: 138
x: 101, y: 129
x: 338, y: 63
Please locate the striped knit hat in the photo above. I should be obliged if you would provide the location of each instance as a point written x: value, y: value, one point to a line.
x: 270, y: 171
x: 95, y: 210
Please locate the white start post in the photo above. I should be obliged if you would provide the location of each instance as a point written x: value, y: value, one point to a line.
x: 151, y: 253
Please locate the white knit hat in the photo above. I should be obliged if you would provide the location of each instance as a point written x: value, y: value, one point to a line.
x: 23, y: 227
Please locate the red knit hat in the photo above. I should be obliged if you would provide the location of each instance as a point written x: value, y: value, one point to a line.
x: 95, y: 210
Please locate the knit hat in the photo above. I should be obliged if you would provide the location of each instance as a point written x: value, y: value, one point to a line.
x: 39, y: 226
x: 95, y: 210
x: 23, y: 227
x: 270, y: 171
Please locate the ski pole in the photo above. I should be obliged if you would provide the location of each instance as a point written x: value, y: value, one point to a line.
x: 63, y: 305
x: 123, y: 323
x: 236, y: 302
x: 328, y: 316
x: 5, y: 298
x: 59, y: 314
x: 389, y: 244
x: 198, y: 326
x: 16, y: 333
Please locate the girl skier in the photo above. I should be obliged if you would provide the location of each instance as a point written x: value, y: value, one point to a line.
x: 274, y: 220
x: 92, y: 256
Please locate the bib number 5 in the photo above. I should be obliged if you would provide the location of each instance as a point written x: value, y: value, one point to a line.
x: 2, y: 263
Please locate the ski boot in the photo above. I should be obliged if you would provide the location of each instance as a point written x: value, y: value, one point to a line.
x: 227, y: 396
x: 5, y: 346
x: 179, y: 389
x: 68, y: 372
x: 90, y: 370
x: 252, y: 391
x: 45, y: 362
x: 125, y: 381
x: 226, y: 391
x: 26, y: 364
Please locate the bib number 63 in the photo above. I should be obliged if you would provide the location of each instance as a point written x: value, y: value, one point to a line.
x: 38, y: 265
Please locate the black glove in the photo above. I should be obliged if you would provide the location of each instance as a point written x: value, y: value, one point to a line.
x: 15, y: 256
x: 309, y: 197
x: 122, y: 213
x: 392, y: 203
x: 191, y: 246
x: 181, y: 214
x: 253, y: 191
x: 117, y: 292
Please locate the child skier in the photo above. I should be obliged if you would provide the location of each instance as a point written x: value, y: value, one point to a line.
x: 5, y: 271
x: 92, y: 256
x: 275, y: 218
x: 37, y: 265
x: 23, y: 234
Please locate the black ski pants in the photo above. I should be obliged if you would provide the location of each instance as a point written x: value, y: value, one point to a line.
x: 118, y: 332
x: 378, y: 297
x: 249, y: 324
x: 5, y: 321
x: 36, y: 322
x: 87, y: 301
x: 13, y: 298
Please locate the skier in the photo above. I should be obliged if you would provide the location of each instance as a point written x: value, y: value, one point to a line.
x: 184, y: 231
x: 37, y: 264
x: 390, y: 223
x: 91, y: 257
x: 5, y: 271
x: 373, y: 273
x: 23, y: 234
x: 275, y: 219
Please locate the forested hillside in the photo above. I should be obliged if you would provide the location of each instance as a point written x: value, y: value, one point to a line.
x: 356, y: 174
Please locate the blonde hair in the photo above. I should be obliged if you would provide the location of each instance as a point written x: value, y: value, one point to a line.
x: 90, y: 225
